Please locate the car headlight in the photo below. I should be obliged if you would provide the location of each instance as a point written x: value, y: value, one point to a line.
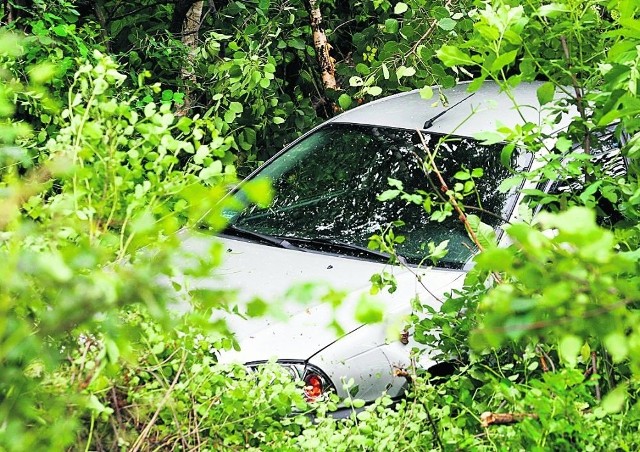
x: 316, y: 383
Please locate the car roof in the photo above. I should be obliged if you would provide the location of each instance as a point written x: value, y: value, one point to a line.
x: 481, y: 111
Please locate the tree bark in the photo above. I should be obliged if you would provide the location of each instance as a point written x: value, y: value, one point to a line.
x: 322, y: 47
x: 488, y: 418
x: 189, y: 36
x: 98, y: 8
x: 13, y: 9
x: 180, y: 11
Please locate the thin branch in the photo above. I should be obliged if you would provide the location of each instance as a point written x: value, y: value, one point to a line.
x: 579, y: 98
x: 445, y: 189
x: 430, y: 30
x: 147, y: 428
x: 488, y: 418
x: 487, y: 212
x: 594, y: 370
x: 340, y: 25
x: 545, y: 360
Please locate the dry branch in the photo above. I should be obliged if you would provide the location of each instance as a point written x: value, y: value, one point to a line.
x: 488, y: 418
x: 322, y: 47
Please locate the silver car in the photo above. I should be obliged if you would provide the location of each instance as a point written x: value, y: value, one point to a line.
x: 325, y: 209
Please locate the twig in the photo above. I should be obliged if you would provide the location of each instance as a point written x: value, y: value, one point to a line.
x: 445, y: 189
x: 594, y: 370
x: 452, y: 200
x: 579, y: 97
x: 432, y: 27
x: 410, y: 377
x: 488, y: 418
x: 340, y: 25
x: 147, y: 428
x: 545, y: 360
x: 116, y: 406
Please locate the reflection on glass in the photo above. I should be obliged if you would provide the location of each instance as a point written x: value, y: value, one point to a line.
x: 326, y: 187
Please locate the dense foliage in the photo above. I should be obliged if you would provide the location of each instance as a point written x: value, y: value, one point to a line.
x: 115, y: 132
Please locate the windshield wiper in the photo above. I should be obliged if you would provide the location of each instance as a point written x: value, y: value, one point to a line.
x: 280, y: 242
x: 429, y: 122
x: 336, y: 245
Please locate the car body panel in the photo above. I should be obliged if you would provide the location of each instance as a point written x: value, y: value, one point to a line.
x: 491, y: 107
x: 273, y: 271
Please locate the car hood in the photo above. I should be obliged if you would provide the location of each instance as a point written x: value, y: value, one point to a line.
x: 293, y: 283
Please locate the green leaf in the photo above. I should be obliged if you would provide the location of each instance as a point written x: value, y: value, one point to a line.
x: 395, y: 183
x: 259, y: 191
x: 563, y: 144
x: 369, y: 310
x: 569, y: 349
x: 385, y: 71
x: 488, y: 138
x: 297, y: 43
x: 453, y: 56
x: 503, y: 60
x: 235, y: 107
x: 484, y: 233
x: 229, y: 116
x: 60, y: 30
x: 113, y: 352
x: 363, y: 69
x: 374, y: 90
x: 614, y: 401
x: 617, y: 346
x: 344, y: 101
x: 388, y: 194
x: 575, y: 220
x: 149, y: 109
x: 94, y: 404
x: 55, y: 267
x: 256, y: 308
x: 447, y: 23
x: 509, y: 183
x: 552, y: 10
x: 278, y: 120
x: 438, y: 252
x: 42, y: 72
x: 356, y: 81
x: 404, y: 71
x: 400, y: 8
x: 545, y: 93
x: 426, y: 92
x: 391, y: 26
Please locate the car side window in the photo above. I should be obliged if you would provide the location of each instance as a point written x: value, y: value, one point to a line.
x: 608, y: 161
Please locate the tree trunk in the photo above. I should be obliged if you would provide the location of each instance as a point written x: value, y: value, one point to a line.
x: 13, y: 9
x: 101, y: 15
x: 189, y: 36
x: 322, y: 47
x: 181, y: 9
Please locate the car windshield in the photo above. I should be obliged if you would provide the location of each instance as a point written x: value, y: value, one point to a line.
x: 326, y: 190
